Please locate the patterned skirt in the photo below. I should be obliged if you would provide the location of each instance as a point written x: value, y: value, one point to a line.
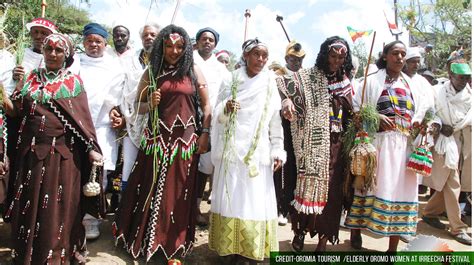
x: 392, y: 208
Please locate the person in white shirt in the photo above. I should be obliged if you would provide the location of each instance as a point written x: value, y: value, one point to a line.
x: 39, y: 29
x: 103, y: 80
x: 214, y: 72
x: 452, y: 155
x: 7, y: 63
x: 122, y: 116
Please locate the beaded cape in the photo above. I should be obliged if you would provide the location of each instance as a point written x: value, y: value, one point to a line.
x: 43, y: 85
x: 308, y: 90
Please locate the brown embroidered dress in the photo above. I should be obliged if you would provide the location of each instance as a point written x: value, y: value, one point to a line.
x: 158, y: 211
x: 55, y: 135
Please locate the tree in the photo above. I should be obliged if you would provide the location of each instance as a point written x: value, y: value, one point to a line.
x: 69, y: 19
x: 444, y: 23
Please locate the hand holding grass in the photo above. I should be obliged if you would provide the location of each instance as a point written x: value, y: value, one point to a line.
x: 155, y: 98
x: 231, y: 106
x: 18, y: 72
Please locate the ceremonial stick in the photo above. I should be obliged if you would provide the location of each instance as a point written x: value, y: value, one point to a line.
x: 247, y: 15
x: 43, y: 7
x: 367, y: 69
x: 279, y: 19
x: 175, y: 11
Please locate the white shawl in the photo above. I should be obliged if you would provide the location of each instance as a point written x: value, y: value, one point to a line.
x: 251, y: 94
x: 7, y: 63
x: 453, y: 109
x: 103, y: 80
x: 32, y: 60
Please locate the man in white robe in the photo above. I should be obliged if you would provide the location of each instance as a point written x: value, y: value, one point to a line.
x: 39, y: 29
x: 452, y: 130
x: 103, y: 80
x: 122, y: 115
x: 214, y: 72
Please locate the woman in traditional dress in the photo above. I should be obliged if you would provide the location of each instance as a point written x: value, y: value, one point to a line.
x: 391, y: 209
x: 319, y: 104
x: 55, y: 146
x: 158, y: 208
x: 247, y: 146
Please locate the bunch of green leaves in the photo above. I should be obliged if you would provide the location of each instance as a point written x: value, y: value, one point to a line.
x: 369, y: 120
x: 21, y: 43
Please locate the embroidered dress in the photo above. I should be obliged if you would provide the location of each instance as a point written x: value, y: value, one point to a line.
x: 243, y: 217
x: 159, y: 214
x: 340, y: 109
x: 392, y: 209
x: 55, y: 134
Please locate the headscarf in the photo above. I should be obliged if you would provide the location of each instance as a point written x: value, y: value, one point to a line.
x: 94, y: 28
x: 252, y: 43
x: 60, y: 40
x: 247, y: 46
x: 211, y: 30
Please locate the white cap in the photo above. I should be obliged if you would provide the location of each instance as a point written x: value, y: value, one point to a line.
x: 412, y: 52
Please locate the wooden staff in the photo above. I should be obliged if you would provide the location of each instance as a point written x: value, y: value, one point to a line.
x: 175, y: 11
x: 43, y: 8
x: 247, y: 15
x: 280, y: 19
x: 367, y: 69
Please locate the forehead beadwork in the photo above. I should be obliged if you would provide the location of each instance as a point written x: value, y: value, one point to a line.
x: 56, y: 40
x: 175, y: 37
x: 338, y: 47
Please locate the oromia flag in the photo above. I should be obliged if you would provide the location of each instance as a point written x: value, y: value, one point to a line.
x: 355, y: 34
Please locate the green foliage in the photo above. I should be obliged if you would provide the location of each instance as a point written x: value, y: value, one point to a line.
x: 444, y: 23
x: 68, y: 18
x: 369, y: 116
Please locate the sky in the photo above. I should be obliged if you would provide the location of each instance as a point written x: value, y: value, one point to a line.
x: 309, y: 22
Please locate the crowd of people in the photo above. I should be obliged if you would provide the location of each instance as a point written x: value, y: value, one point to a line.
x: 152, y: 126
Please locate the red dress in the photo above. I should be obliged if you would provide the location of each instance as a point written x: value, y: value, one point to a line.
x: 158, y: 212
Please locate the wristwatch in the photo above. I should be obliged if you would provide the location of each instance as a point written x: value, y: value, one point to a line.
x: 205, y: 130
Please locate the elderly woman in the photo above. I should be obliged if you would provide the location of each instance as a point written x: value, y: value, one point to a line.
x: 158, y: 207
x: 247, y: 142
x: 392, y: 208
x: 55, y: 146
x: 317, y: 125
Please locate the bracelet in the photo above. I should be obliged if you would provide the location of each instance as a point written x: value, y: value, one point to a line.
x: 205, y: 130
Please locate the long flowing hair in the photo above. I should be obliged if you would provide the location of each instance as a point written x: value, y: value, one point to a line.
x: 323, y: 55
x: 184, y: 64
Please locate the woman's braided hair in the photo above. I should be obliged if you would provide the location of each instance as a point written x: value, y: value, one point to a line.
x: 184, y: 64
x: 323, y: 55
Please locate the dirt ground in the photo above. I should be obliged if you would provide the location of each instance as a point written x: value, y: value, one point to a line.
x: 103, y: 250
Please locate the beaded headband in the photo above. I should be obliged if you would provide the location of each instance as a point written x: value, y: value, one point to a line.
x: 175, y: 37
x: 57, y: 40
x: 338, y: 47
